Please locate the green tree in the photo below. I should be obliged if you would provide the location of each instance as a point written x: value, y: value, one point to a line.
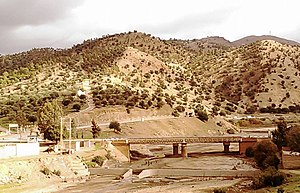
x: 279, y: 134
x: 115, y: 125
x: 49, y: 120
x: 95, y: 129
x: 293, y: 138
x: 32, y: 118
x: 265, y: 154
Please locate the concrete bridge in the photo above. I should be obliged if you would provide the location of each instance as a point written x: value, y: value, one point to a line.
x: 123, y: 144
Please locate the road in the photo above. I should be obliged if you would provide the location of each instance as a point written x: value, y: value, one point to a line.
x: 152, y: 118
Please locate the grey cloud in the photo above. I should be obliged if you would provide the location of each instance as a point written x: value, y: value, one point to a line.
x: 15, y: 14
x: 33, y: 12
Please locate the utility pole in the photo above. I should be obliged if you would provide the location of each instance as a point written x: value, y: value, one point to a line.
x: 61, y: 135
x: 70, y: 133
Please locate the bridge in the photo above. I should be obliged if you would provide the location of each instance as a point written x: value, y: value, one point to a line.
x: 123, y: 144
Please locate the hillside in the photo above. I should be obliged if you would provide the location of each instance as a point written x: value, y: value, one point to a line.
x: 251, y: 39
x: 137, y: 70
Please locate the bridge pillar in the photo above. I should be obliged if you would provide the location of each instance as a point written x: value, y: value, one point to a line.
x: 184, y: 153
x: 175, y: 148
x: 226, y: 146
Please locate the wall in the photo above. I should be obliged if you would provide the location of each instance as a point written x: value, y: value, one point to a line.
x: 19, y: 150
x: 8, y: 151
x: 197, y: 173
x: 27, y: 149
x: 245, y: 143
x: 108, y: 171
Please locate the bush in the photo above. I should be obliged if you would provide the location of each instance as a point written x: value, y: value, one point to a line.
x: 56, y: 172
x: 46, y: 171
x: 99, y: 160
x: 175, y: 113
x: 269, y: 177
x: 180, y: 109
x: 202, y: 115
x: 219, y: 190
x: 230, y: 131
x: 91, y: 164
x: 76, y: 107
x: 249, y: 152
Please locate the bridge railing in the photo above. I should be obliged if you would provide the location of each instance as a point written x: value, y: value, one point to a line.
x: 170, y: 140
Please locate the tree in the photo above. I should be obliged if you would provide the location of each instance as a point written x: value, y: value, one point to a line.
x: 293, y: 138
x: 49, y: 120
x: 95, y: 129
x: 279, y: 134
x: 265, y: 154
x: 76, y: 107
x: 115, y: 125
x: 32, y: 118
x: 20, y: 117
x: 66, y: 102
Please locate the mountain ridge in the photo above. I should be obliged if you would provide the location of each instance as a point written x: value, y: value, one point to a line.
x: 138, y: 70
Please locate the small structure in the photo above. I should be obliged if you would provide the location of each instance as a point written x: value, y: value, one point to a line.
x: 10, y: 126
x: 86, y: 84
x: 80, y: 92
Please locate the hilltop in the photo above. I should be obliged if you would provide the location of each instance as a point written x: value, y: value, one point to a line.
x: 136, y: 70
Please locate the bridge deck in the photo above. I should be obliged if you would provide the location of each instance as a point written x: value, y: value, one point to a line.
x: 171, y: 140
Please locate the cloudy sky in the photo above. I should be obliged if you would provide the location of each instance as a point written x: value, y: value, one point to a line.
x: 25, y: 24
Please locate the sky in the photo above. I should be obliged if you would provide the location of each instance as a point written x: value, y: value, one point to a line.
x: 27, y: 24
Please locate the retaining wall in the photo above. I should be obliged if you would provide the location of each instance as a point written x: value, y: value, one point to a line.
x: 197, y: 173
x: 108, y: 171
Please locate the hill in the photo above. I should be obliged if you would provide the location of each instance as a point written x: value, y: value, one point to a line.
x: 251, y: 39
x: 137, y: 70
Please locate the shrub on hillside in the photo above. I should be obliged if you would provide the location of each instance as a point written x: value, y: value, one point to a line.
x: 200, y: 113
x: 175, y: 113
x: 219, y: 190
x: 76, y: 107
x: 180, y: 109
x: 46, y: 171
x: 56, y: 172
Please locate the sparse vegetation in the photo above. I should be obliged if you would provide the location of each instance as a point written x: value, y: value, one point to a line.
x: 46, y: 171
x: 219, y: 190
